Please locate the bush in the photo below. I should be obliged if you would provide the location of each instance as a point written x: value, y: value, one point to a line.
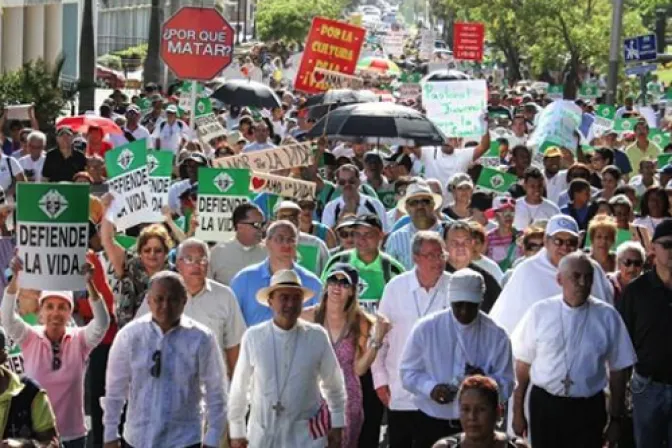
x: 111, y: 61
x: 133, y: 57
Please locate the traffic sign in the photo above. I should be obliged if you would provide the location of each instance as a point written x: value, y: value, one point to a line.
x: 197, y: 43
x: 468, y: 41
x: 640, y: 48
x: 640, y: 69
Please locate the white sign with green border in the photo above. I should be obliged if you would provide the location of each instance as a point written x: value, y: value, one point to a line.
x: 220, y: 191
x: 160, y: 168
x: 52, y: 235
x: 207, y: 125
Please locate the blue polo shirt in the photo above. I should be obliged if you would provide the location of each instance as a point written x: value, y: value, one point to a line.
x: 247, y: 282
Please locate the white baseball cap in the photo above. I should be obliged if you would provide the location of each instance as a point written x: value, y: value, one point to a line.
x: 466, y: 285
x: 65, y: 295
x: 562, y: 223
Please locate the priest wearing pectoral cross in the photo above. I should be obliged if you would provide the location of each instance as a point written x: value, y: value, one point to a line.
x: 562, y: 348
x: 285, y: 363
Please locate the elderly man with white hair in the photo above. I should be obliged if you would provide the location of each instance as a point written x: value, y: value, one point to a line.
x: 448, y: 346
x: 33, y: 162
x: 209, y: 303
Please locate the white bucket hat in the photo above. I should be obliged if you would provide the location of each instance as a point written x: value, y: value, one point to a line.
x: 419, y: 190
x: 283, y: 279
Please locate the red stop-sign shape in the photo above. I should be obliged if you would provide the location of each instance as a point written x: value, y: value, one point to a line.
x: 197, y: 43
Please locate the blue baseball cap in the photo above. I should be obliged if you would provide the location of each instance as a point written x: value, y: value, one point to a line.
x: 562, y: 223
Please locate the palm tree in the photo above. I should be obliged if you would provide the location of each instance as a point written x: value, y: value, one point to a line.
x: 152, y: 68
x: 87, y: 60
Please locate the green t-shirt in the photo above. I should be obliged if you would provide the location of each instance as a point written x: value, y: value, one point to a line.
x: 372, y: 276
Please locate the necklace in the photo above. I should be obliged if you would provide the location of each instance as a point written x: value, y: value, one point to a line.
x: 431, y: 299
x: 278, y: 407
x: 567, y: 381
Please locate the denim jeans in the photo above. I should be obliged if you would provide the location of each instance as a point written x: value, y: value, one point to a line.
x: 651, y: 412
x: 77, y: 443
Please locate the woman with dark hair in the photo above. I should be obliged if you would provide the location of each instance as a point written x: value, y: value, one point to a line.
x: 611, y: 177
x: 576, y: 171
x: 478, y: 399
x: 653, y: 208
x: 349, y: 329
x: 246, y: 127
x: 580, y: 207
x: 601, y: 158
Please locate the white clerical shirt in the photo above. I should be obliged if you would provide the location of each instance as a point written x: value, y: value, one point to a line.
x: 440, y: 347
x: 290, y: 368
x: 404, y: 302
x: 557, y: 339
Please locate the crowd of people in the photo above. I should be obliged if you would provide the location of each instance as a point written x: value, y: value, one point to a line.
x: 403, y: 303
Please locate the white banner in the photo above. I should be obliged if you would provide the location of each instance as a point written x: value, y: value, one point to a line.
x: 456, y: 107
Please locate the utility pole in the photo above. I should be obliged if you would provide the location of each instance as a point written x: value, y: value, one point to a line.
x: 614, y: 50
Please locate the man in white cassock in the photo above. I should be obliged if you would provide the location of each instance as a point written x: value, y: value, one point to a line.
x: 285, y: 363
x: 448, y: 346
x: 535, y: 278
x: 562, y: 347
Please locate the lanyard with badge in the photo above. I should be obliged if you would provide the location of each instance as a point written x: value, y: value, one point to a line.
x: 431, y: 300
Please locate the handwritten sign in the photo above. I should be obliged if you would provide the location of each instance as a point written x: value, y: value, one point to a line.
x: 410, y: 90
x: 336, y: 80
x: 427, y: 39
x: 207, y: 125
x: 558, y: 125
x: 282, y: 186
x: 393, y: 43
x: 220, y: 191
x: 456, y: 107
x: 268, y: 160
x: 330, y: 45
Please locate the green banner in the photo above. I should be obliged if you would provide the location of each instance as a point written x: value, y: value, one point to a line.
x: 606, y: 112
x: 125, y: 241
x: 622, y: 125
x: 308, y: 256
x: 220, y: 191
x: 660, y: 138
x: 52, y: 234
x: 664, y: 159
x: 126, y: 158
x: 555, y: 92
x: 492, y: 179
x: 203, y: 107
x: 589, y: 92
x: 144, y: 104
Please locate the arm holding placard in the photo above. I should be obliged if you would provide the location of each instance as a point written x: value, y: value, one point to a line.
x: 94, y: 332
x: 175, y: 230
x: 16, y: 328
x: 115, y: 253
x: 484, y: 145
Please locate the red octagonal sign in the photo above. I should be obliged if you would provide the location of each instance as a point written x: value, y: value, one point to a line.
x: 197, y: 43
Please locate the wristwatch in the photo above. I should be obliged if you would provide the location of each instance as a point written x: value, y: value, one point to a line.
x: 375, y: 344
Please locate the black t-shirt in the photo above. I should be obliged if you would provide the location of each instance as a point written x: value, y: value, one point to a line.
x: 59, y: 169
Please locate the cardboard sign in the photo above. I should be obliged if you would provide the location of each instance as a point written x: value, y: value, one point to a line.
x: 456, y: 107
x: 558, y: 124
x: 336, y: 80
x: 269, y: 160
x: 220, y: 191
x: 18, y: 112
x: 128, y: 177
x: 410, y: 90
x: 160, y: 168
x: 468, y: 41
x: 330, y: 45
x: 52, y: 234
x: 393, y: 43
x: 282, y: 186
x: 427, y: 39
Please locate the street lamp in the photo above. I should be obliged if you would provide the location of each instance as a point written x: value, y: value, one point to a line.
x: 245, y: 23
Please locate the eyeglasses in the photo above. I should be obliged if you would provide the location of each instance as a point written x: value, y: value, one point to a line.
x: 255, y: 225
x: 635, y: 263
x: 56, y: 359
x: 433, y: 256
x: 533, y: 246
x: 155, y: 370
x: 416, y: 202
x: 351, y: 181
x: 283, y: 240
x: 664, y: 244
x: 572, y: 242
x: 342, y: 282
x: 345, y: 234
x: 190, y: 261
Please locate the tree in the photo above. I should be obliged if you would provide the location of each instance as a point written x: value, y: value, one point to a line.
x: 87, y: 60
x: 290, y: 20
x: 152, y: 67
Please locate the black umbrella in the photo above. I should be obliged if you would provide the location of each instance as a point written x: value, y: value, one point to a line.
x: 240, y: 92
x: 343, y: 96
x: 378, y: 123
x: 359, y: 96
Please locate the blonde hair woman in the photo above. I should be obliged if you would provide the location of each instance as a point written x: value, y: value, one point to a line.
x: 602, y: 232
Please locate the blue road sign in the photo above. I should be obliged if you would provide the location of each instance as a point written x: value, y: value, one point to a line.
x: 640, y: 69
x: 640, y: 48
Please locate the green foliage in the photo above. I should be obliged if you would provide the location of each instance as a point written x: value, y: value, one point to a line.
x: 110, y: 61
x: 133, y: 56
x: 289, y: 20
x: 36, y: 82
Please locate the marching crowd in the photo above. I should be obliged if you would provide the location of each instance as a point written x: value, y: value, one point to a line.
x: 401, y: 297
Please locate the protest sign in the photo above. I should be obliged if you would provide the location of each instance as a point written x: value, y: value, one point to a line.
x: 555, y: 92
x: 491, y: 158
x: 492, y: 179
x: 335, y: 80
x: 622, y: 125
x: 558, y: 124
x: 331, y: 45
x: 468, y: 41
x: 52, y: 235
x: 604, y: 116
x: 128, y: 177
x: 664, y: 159
x: 282, y: 186
x: 268, y: 160
x: 660, y: 138
x: 220, y: 191
x: 427, y: 39
x: 207, y: 125
x: 589, y: 92
x: 410, y: 91
x: 456, y: 107
x: 393, y: 43
x: 18, y: 112
x: 160, y: 169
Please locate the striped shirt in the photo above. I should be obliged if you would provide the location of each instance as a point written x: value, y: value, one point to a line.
x: 398, y: 244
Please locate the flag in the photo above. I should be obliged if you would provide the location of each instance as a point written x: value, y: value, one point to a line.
x: 320, y: 424
x: 492, y: 179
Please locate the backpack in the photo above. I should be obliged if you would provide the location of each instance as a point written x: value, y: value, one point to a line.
x: 180, y: 124
x: 367, y: 204
x: 19, y: 423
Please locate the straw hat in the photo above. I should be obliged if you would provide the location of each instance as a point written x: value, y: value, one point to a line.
x: 283, y: 279
x: 419, y: 190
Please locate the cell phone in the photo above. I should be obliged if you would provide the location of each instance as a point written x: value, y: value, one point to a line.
x: 29, y: 173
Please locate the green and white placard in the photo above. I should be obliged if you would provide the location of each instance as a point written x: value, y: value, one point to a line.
x: 660, y: 138
x: 220, y: 191
x: 207, y: 125
x: 52, y: 235
x: 604, y: 116
x: 160, y: 168
x: 622, y: 125
x: 555, y: 92
x: 664, y: 159
x: 492, y: 179
x: 589, y: 92
x: 128, y: 178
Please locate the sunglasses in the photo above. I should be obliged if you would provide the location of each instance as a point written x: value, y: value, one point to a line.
x: 255, y: 225
x: 416, y: 202
x: 342, y: 282
x: 352, y: 181
x: 56, y: 360
x: 529, y: 247
x: 664, y: 244
x: 345, y: 234
x: 572, y: 242
x: 155, y: 370
x: 635, y: 263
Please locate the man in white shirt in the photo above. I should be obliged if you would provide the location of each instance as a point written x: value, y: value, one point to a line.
x: 33, y: 162
x: 261, y: 133
x: 210, y: 303
x: 562, y: 347
x: 406, y: 299
x: 171, y: 133
x: 534, y: 279
x: 133, y: 130
x: 519, y: 131
x: 533, y: 207
x: 351, y: 200
x: 285, y: 364
x: 165, y: 365
x: 556, y: 179
x: 446, y: 347
x: 245, y: 249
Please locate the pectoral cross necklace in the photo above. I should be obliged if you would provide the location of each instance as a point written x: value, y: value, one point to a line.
x: 278, y: 408
x: 567, y: 381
